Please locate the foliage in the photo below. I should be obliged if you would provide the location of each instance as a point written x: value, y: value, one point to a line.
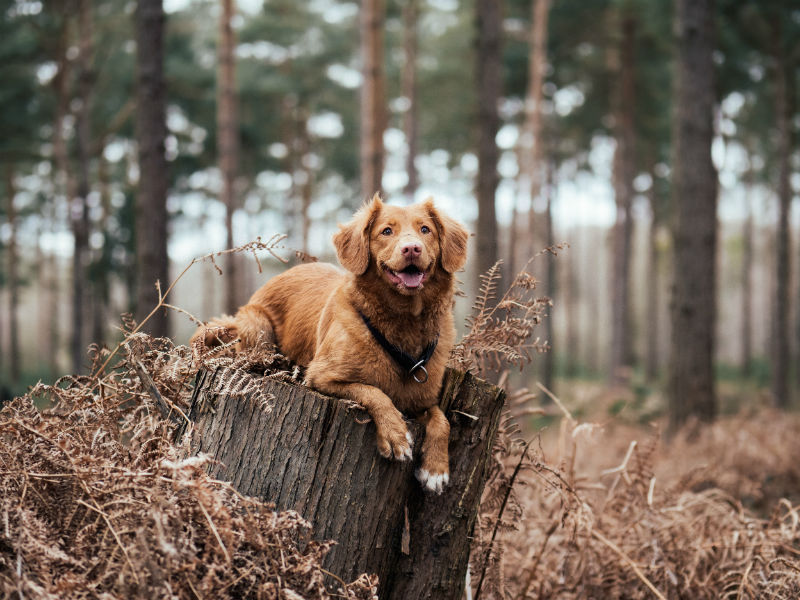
x: 499, y: 332
x: 98, y: 503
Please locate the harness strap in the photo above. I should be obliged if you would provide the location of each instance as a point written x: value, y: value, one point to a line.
x: 408, y: 363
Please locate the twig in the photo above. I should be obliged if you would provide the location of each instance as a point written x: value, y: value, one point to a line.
x: 269, y: 245
x: 500, y: 517
x: 555, y: 399
x: 214, y: 531
x: 164, y: 408
x: 632, y: 564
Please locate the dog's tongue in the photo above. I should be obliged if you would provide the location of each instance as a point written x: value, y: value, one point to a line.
x: 410, y: 279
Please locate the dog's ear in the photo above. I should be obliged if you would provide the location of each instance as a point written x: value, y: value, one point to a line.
x: 452, y: 238
x: 352, y: 239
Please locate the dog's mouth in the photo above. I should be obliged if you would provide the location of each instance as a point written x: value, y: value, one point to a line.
x: 411, y: 277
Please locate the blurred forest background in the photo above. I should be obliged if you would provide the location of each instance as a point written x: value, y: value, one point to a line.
x: 657, y: 138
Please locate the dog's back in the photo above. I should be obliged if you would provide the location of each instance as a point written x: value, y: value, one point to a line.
x: 293, y: 302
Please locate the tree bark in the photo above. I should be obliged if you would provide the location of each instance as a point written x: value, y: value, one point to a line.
x: 690, y: 387
x: 781, y: 351
x: 653, y: 290
x: 373, y: 97
x: 624, y: 102
x: 314, y: 454
x: 746, y: 320
x: 489, y: 68
x: 79, y: 213
x: 531, y: 145
x: 410, y: 126
x: 228, y: 145
x: 548, y: 360
x: 13, y: 279
x: 151, y: 129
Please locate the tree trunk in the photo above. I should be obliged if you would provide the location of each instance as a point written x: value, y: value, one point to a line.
x: 652, y: 331
x: 781, y: 351
x: 624, y: 101
x: 79, y: 213
x: 488, y: 80
x: 101, y: 268
x: 314, y: 454
x: 690, y: 385
x: 13, y: 279
x: 548, y: 360
x: 227, y: 145
x: 531, y: 144
x: 410, y: 128
x: 151, y: 129
x: 303, y: 176
x: 571, y: 302
x: 373, y: 97
x: 746, y: 319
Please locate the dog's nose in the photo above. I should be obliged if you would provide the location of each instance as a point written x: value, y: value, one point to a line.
x: 411, y: 250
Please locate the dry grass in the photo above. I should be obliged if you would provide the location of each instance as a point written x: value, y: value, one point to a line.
x: 615, y: 512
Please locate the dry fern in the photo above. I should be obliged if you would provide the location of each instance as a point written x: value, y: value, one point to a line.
x: 658, y: 522
x: 501, y: 333
x: 96, y: 503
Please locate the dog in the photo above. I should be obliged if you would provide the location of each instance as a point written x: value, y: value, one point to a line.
x: 379, y: 334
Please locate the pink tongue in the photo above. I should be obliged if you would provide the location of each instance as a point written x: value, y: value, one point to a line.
x: 410, y: 280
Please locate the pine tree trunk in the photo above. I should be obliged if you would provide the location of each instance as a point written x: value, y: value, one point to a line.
x: 314, y: 454
x: 227, y: 145
x: 79, y: 212
x: 13, y: 279
x: 652, y: 330
x: 102, y: 261
x: 531, y: 144
x: 781, y: 351
x: 624, y: 167
x: 548, y: 360
x: 746, y: 320
x: 690, y: 386
x: 151, y: 129
x: 570, y: 299
x: 488, y: 81
x: 410, y: 128
x: 373, y: 97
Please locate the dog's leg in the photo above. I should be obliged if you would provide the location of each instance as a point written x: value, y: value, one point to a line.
x: 434, y: 472
x: 394, y: 439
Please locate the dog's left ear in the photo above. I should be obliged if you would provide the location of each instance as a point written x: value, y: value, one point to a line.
x: 452, y: 237
x: 352, y: 240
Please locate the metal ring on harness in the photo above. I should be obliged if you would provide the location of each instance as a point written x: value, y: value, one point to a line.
x: 413, y: 372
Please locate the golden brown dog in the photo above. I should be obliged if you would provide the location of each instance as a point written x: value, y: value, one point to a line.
x: 379, y: 335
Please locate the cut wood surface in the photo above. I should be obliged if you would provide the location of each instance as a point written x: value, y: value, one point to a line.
x: 284, y: 443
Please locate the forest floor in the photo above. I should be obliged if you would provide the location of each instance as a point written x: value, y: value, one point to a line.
x: 606, y: 507
x: 598, y: 504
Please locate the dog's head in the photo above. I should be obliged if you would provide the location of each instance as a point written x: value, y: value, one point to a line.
x: 406, y: 245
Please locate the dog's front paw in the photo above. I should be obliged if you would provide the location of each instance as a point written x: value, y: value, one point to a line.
x: 394, y: 439
x: 433, y: 482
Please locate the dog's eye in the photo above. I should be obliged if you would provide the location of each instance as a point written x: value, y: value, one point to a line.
x: 386, y: 231
x: 425, y: 229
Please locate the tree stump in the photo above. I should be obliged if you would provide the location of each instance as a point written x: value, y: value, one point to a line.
x: 284, y: 443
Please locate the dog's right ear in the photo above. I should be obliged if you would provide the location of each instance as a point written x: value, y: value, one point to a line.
x: 352, y: 239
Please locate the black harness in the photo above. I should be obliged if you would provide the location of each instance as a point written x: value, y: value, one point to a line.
x: 407, y: 363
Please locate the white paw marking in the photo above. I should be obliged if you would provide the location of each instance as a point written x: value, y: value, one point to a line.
x: 433, y: 483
